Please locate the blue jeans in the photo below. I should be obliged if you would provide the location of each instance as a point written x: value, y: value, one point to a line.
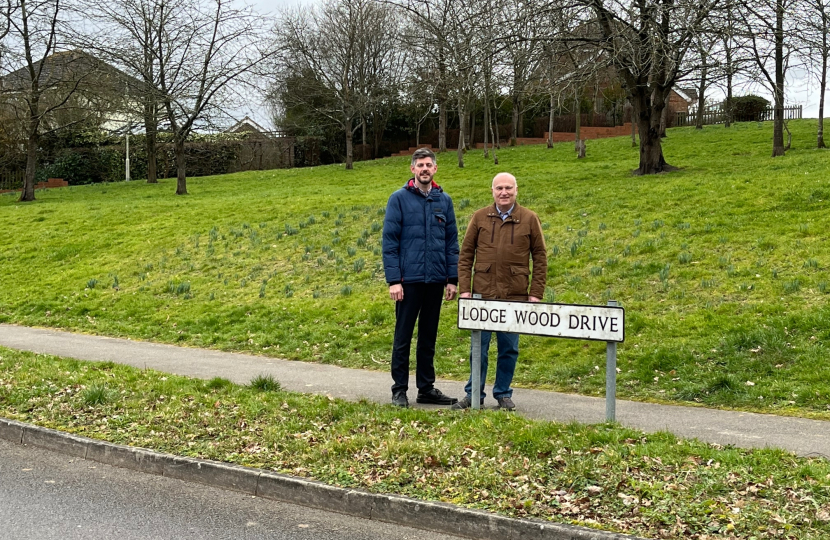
x: 508, y: 347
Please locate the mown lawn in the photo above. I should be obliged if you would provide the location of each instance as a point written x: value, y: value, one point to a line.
x: 721, y: 267
x: 603, y: 476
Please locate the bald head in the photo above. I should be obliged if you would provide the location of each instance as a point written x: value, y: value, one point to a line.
x: 504, y: 191
x: 505, y: 177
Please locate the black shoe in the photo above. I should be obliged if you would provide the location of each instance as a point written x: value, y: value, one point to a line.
x: 465, y: 403
x: 399, y: 400
x: 435, y: 397
x: 506, y: 404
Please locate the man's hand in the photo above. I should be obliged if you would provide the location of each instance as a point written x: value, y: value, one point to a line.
x: 466, y: 295
x: 396, y: 292
x: 533, y: 299
x: 451, y: 291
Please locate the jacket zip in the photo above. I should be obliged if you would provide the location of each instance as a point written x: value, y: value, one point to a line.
x: 493, y: 232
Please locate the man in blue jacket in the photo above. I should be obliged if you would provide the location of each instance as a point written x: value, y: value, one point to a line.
x: 420, y: 258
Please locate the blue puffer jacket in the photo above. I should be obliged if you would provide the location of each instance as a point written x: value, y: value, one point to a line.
x: 420, y: 237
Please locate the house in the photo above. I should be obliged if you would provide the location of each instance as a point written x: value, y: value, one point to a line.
x: 254, y: 130
x: 98, y: 91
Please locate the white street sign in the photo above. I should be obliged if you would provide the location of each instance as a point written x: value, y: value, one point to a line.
x: 600, y: 323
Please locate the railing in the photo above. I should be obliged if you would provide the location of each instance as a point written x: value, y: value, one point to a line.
x: 719, y: 117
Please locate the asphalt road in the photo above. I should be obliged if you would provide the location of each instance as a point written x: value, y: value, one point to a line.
x: 44, y: 496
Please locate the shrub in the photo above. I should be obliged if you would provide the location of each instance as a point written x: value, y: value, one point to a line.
x: 748, y: 108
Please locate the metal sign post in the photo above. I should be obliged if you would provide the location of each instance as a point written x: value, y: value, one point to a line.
x: 475, y: 365
x: 611, y: 376
x: 597, y: 323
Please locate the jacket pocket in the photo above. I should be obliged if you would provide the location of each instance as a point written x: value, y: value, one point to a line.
x: 484, y: 281
x: 519, y: 280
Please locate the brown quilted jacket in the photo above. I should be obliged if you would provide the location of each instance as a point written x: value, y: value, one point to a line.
x: 495, y: 255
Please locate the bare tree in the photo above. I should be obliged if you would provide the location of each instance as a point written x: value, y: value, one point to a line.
x: 203, y: 46
x: 770, y: 39
x: 646, y: 41
x: 521, y: 31
x: 449, y: 28
x: 704, y: 66
x: 814, y: 25
x: 426, y: 22
x: 329, y: 49
x: 733, y: 57
x: 47, y: 81
x: 128, y: 35
x: 380, y: 69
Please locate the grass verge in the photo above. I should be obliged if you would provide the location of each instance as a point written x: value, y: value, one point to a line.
x: 602, y: 476
x: 721, y: 266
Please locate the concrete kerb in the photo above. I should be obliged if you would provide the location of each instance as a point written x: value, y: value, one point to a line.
x: 433, y: 516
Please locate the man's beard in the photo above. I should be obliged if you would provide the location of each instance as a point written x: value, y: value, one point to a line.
x: 424, y: 180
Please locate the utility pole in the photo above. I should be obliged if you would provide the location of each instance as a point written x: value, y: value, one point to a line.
x: 127, y: 158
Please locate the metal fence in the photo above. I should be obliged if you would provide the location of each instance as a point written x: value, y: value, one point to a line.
x: 719, y: 116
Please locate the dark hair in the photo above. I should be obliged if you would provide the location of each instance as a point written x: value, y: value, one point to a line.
x: 422, y: 153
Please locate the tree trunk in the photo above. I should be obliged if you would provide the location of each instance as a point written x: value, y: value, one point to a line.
x: 550, y: 124
x: 349, y: 145
x: 486, y: 124
x: 701, y: 100
x: 378, y: 127
x: 648, y: 115
x: 728, y: 104
x: 823, y: 86
x: 631, y: 118
x: 495, y: 138
x: 181, y: 161
x: 28, y: 191
x: 442, y: 125
x: 778, y: 125
x: 578, y: 120
x: 472, y: 137
x: 462, y: 120
x: 514, y: 121
x: 520, y: 125
x: 580, y: 149
x: 363, y: 146
x: 151, y: 129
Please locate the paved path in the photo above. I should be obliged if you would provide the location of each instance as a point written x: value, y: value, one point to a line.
x: 747, y: 430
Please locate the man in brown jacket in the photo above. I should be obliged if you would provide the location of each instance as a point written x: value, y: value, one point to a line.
x: 500, y: 243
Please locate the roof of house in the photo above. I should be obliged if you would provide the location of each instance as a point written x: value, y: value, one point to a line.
x: 72, y: 67
x: 689, y: 94
x: 248, y: 125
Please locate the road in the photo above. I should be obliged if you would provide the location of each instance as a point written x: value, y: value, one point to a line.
x: 45, y: 496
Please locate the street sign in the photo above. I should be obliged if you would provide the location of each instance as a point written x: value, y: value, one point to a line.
x: 599, y: 323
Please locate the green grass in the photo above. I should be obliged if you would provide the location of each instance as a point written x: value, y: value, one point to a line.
x: 721, y: 267
x: 603, y: 476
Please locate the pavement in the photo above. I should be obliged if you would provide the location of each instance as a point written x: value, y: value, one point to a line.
x: 804, y: 437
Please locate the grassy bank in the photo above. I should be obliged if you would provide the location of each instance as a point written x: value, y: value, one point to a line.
x: 721, y: 266
x: 603, y: 476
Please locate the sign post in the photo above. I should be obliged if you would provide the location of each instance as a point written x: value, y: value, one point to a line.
x: 597, y: 323
x: 611, y: 377
x: 475, y: 365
